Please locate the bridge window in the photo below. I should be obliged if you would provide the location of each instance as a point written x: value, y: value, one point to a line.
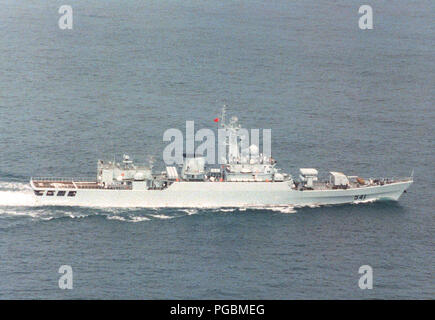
x: 39, y: 192
x: 72, y: 193
x: 61, y: 193
x: 50, y: 193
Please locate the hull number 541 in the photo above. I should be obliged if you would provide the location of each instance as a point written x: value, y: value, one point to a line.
x: 359, y: 197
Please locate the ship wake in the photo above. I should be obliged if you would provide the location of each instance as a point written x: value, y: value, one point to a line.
x: 16, y: 194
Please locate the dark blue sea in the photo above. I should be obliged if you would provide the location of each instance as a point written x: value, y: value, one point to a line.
x: 336, y: 98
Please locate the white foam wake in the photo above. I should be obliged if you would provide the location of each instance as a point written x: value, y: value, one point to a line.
x: 16, y: 194
x: 161, y: 216
x: 17, y: 198
x: 14, y: 186
x: 364, y: 201
x: 284, y: 209
x: 130, y: 219
x: 190, y: 211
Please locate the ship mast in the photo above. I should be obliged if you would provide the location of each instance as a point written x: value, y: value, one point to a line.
x: 224, y: 110
x: 231, y: 138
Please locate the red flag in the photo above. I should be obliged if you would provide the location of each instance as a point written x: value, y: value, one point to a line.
x: 216, y: 120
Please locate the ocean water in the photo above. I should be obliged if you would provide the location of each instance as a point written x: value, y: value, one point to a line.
x: 335, y: 97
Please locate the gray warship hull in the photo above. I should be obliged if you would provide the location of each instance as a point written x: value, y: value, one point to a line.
x: 210, y: 194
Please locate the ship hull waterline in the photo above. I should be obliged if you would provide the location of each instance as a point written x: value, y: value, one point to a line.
x: 223, y: 194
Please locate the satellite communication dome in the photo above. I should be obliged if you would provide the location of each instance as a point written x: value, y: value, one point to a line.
x: 253, y: 149
x: 139, y: 176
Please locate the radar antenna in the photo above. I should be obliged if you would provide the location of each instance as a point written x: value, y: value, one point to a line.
x: 224, y: 111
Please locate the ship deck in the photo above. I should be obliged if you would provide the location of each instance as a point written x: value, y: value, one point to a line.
x: 88, y: 183
x: 71, y: 183
x: 352, y: 185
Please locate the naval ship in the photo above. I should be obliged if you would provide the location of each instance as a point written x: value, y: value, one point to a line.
x: 256, y: 182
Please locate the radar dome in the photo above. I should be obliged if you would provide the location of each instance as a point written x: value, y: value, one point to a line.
x: 253, y: 149
x: 139, y: 176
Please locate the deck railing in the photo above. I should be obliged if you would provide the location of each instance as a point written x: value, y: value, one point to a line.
x: 64, y: 179
x: 106, y: 188
x: 78, y: 183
